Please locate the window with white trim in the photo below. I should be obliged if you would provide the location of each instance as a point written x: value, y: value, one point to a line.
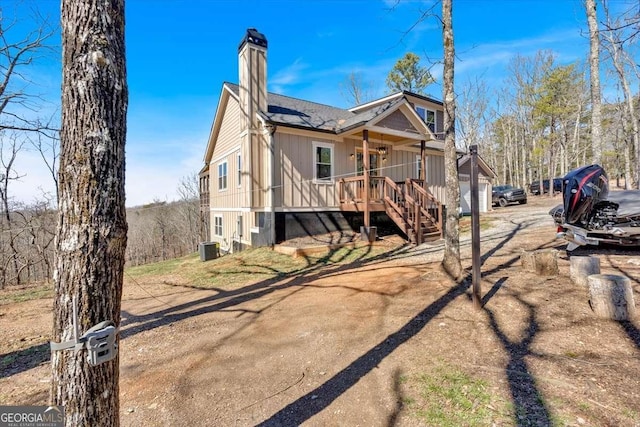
x: 429, y: 116
x: 222, y: 176
x: 217, y: 225
x: 322, y: 162
x: 239, y: 164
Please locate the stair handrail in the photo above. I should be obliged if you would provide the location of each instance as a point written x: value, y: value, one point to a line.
x: 427, y: 202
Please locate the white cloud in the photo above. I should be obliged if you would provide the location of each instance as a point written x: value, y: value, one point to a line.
x: 290, y: 75
x: 498, y: 54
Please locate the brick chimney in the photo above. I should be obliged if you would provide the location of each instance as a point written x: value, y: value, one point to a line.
x: 252, y: 61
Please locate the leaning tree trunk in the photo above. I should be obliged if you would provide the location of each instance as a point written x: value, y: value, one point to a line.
x: 451, y: 260
x: 92, y: 228
x: 594, y: 75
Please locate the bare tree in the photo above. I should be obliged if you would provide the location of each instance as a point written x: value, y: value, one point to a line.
x: 594, y: 75
x: 15, y: 58
x: 92, y: 227
x: 19, y: 106
x: 614, y: 40
x: 189, y: 193
x: 472, y: 112
x: 451, y: 260
x: 10, y: 146
x: 355, y: 90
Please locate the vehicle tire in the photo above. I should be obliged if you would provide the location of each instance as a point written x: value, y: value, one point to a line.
x: 503, y: 202
x: 522, y: 202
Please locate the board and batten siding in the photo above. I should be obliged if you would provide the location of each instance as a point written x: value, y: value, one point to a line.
x: 229, y: 203
x: 296, y: 189
x: 226, y: 149
x: 295, y: 186
x: 436, y: 177
x: 231, y: 230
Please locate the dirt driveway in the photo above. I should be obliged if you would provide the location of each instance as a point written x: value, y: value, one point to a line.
x: 355, y: 344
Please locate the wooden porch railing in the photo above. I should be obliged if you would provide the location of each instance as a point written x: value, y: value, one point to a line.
x: 413, y: 208
x: 352, y: 189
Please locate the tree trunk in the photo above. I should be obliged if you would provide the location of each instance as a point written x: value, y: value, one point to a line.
x: 594, y: 74
x: 92, y: 227
x: 611, y: 296
x: 542, y: 261
x: 582, y: 267
x: 451, y: 260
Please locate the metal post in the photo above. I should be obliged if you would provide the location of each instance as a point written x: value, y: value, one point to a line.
x: 365, y: 166
x: 475, y: 229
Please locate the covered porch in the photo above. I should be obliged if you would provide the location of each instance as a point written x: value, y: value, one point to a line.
x: 409, y: 203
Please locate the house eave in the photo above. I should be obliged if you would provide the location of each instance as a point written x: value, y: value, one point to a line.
x: 217, y: 120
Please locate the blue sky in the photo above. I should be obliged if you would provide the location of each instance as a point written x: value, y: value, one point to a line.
x: 180, y: 52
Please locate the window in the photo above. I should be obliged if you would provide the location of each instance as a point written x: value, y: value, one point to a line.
x: 428, y: 116
x: 239, y: 163
x: 260, y: 219
x: 322, y: 162
x: 217, y: 225
x: 222, y: 176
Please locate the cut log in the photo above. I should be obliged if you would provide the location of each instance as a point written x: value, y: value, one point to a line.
x: 582, y: 267
x: 542, y: 261
x: 611, y: 296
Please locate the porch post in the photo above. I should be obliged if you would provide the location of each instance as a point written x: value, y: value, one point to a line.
x: 365, y: 165
x: 423, y: 164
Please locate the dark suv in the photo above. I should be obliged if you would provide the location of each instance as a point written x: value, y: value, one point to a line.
x: 534, y: 188
x: 504, y: 194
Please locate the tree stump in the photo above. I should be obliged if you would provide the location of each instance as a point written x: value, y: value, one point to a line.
x: 611, y: 296
x: 582, y: 267
x: 542, y: 261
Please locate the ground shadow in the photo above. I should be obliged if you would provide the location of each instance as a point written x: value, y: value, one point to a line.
x: 494, y: 289
x: 318, y: 399
x: 530, y: 408
x: 23, y: 360
x: 223, y: 299
x: 631, y: 330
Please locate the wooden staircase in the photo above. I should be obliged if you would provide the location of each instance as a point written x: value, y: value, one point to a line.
x: 414, y: 210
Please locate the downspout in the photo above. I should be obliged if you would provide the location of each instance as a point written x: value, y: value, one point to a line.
x: 272, y: 187
x: 269, y: 132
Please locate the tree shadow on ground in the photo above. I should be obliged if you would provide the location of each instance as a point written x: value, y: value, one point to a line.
x: 22, y: 360
x: 632, y: 332
x: 223, y: 299
x: 530, y: 408
x: 305, y: 407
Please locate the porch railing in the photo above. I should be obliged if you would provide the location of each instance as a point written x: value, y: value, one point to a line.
x: 416, y: 211
x: 352, y: 189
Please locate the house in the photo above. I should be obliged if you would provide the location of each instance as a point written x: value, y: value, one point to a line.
x: 277, y: 167
x: 486, y: 175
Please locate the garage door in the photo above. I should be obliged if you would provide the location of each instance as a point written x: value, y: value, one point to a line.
x: 465, y: 196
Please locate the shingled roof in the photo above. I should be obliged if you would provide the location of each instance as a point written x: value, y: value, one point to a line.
x: 287, y: 111
x: 294, y: 112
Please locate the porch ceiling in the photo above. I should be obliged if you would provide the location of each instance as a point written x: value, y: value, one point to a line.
x: 395, y: 138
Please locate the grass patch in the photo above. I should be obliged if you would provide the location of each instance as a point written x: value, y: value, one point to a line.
x: 11, y: 294
x: 242, y: 268
x: 465, y: 224
x: 449, y: 397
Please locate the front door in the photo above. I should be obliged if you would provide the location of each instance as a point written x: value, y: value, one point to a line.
x: 374, y: 167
